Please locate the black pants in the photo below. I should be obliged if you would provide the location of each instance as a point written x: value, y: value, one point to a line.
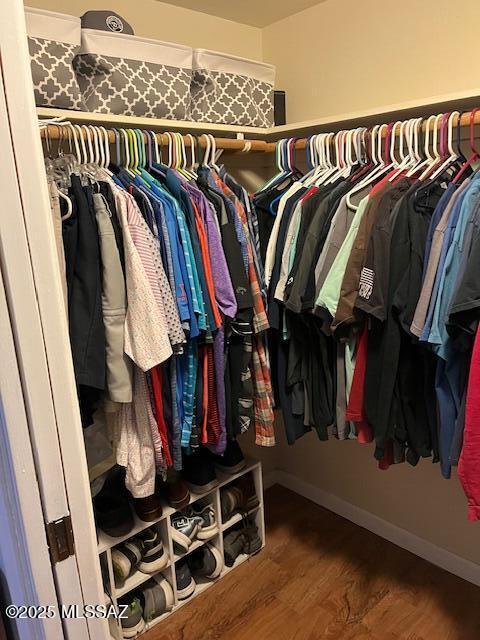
x: 87, y: 333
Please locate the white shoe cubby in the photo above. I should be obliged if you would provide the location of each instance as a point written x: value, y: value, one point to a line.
x: 106, y: 544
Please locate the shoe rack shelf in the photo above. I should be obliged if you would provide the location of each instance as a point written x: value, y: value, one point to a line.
x: 106, y: 543
x: 195, y: 545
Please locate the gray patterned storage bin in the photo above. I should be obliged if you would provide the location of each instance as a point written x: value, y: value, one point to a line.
x: 230, y: 90
x: 126, y: 75
x: 53, y: 41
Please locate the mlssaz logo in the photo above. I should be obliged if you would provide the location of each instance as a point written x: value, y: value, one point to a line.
x: 241, y: 291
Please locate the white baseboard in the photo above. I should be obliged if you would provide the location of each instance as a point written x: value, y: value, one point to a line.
x: 401, y: 537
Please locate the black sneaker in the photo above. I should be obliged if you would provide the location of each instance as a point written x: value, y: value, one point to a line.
x: 132, y: 620
x: 184, y: 529
x: 199, y: 472
x: 111, y: 505
x: 232, y: 460
x: 185, y: 583
x: 156, y: 597
x: 154, y: 556
x: 233, y: 543
x: 205, y: 516
x: 125, y: 559
x: 206, y: 562
x: 242, y: 539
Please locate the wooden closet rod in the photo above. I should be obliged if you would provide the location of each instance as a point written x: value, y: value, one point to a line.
x: 57, y: 132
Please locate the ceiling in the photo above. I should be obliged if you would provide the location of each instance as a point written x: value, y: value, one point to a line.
x: 258, y: 13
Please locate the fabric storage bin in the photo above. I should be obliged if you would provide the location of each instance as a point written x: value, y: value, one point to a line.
x: 53, y: 41
x: 126, y: 75
x: 230, y: 90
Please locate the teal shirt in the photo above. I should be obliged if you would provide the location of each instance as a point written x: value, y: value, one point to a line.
x: 330, y: 292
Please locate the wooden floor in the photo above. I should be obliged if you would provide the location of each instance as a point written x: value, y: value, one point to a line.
x: 321, y: 576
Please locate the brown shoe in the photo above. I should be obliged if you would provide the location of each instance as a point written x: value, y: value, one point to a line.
x: 148, y: 509
x: 176, y: 491
x: 249, y: 495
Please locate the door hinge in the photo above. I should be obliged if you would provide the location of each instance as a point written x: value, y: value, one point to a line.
x: 60, y: 539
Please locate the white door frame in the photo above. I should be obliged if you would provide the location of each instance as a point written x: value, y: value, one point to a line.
x: 35, y: 301
x: 27, y: 576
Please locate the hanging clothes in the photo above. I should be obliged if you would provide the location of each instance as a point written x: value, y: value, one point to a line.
x: 373, y: 307
x: 166, y: 304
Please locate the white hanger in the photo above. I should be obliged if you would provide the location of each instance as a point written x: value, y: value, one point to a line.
x: 83, y: 149
x: 64, y: 197
x: 206, y: 153
x: 427, y: 157
x: 452, y: 154
x: 406, y: 159
x: 101, y: 147
x: 106, y: 147
x: 333, y: 168
x: 339, y: 166
x: 93, y: 133
x: 435, y: 158
x: 88, y: 136
x: 318, y: 159
x: 192, y: 152
x: 379, y: 169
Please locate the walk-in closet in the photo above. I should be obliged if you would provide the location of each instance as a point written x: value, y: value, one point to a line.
x: 239, y: 314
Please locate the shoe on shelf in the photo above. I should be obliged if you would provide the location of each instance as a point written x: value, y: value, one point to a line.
x: 199, y: 472
x: 206, y: 562
x: 185, y: 583
x: 156, y: 598
x: 111, y: 505
x: 132, y: 620
x: 148, y: 509
x: 232, y: 546
x: 155, y: 556
x: 252, y: 541
x: 232, y: 460
x: 249, y: 494
x: 240, y: 496
x: 184, y: 530
x: 125, y: 559
x: 231, y: 499
x: 205, y: 516
x: 241, y: 540
x: 176, y: 490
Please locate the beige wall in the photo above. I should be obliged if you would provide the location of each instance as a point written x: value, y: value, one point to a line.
x: 174, y: 24
x: 344, y: 55
x: 416, y: 499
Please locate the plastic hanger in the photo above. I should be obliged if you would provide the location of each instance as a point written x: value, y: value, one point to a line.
x: 192, y: 153
x: 289, y: 167
x: 282, y: 173
x: 436, y: 157
x: 106, y: 148
x: 406, y: 159
x: 83, y: 155
x: 419, y: 159
x: 379, y: 165
x: 451, y: 156
x: 88, y: 137
x: 332, y: 140
x: 125, y: 147
x: 427, y: 158
x: 317, y: 159
x: 475, y: 154
x: 96, y: 150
